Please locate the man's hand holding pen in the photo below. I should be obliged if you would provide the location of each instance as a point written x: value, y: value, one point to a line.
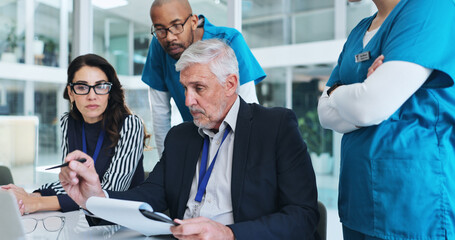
x: 80, y: 180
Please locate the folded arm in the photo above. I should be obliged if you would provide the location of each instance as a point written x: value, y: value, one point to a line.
x: 329, y: 117
x: 378, y: 97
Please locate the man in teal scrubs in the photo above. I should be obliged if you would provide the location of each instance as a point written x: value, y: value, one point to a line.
x: 175, y: 28
x: 397, y: 178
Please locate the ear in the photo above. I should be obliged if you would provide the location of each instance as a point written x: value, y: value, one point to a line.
x: 70, y: 93
x: 194, y: 20
x: 231, y: 84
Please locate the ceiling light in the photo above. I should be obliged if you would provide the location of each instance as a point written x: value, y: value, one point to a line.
x: 107, y: 4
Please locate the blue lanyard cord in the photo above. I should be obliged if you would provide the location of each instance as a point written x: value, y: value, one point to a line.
x: 99, y: 143
x: 204, y: 174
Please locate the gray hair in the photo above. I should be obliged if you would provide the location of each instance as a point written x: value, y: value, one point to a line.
x: 214, y: 52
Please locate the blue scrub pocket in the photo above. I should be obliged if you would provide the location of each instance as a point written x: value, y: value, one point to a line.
x: 407, y: 197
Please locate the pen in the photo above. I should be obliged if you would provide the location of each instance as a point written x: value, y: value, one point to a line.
x: 157, y: 217
x: 82, y: 160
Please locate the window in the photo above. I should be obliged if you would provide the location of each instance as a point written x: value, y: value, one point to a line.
x: 11, y: 33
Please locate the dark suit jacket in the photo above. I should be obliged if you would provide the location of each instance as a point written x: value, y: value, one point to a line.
x: 273, y: 185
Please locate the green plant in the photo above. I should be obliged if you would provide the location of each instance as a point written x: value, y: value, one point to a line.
x: 11, y: 40
x: 49, y: 44
x: 318, y: 139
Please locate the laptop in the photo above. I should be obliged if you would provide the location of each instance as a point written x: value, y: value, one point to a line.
x: 10, y: 218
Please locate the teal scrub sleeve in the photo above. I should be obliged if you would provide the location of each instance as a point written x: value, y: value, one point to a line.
x: 423, y: 32
x: 153, y: 72
x: 249, y: 68
x: 335, y: 76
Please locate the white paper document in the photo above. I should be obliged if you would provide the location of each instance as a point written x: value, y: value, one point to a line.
x: 127, y: 214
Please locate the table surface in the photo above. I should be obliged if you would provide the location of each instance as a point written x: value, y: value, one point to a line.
x: 76, y: 227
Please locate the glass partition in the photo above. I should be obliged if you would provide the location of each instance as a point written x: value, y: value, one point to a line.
x: 46, y: 98
x: 214, y: 10
x: 272, y: 23
x: 47, y: 34
x: 307, y: 86
x: 308, y: 5
x: 11, y: 97
x: 264, y: 34
x: 12, y: 32
x: 252, y: 9
x: 313, y: 26
x: 356, y: 11
x: 271, y: 91
x: 141, y: 45
x: 110, y: 39
x: 47, y: 31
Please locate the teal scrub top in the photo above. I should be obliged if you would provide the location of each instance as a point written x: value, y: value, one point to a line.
x: 397, y: 179
x: 160, y: 74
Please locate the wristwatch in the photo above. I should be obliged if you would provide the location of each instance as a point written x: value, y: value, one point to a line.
x: 333, y: 87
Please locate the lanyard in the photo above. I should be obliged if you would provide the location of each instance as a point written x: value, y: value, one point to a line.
x: 98, y: 143
x: 204, y: 174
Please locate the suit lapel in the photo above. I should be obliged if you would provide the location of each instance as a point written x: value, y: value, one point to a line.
x: 240, y: 155
x: 191, y: 155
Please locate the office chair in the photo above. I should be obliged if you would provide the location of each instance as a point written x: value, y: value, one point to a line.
x: 322, y: 225
x: 5, y: 176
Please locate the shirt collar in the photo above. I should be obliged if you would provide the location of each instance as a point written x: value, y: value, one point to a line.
x: 230, y: 119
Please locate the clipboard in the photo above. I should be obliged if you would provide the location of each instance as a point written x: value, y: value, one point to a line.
x: 130, y: 214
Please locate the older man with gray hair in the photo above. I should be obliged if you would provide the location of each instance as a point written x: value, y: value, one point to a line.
x: 239, y: 171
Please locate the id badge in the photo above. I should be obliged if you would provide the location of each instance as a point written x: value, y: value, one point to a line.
x: 362, y: 57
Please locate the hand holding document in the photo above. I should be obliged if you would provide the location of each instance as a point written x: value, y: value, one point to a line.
x: 130, y: 214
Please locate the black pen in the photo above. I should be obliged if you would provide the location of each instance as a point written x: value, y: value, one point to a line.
x: 82, y: 160
x: 157, y: 217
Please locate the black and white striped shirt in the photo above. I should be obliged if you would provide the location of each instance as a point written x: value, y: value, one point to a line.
x: 125, y: 163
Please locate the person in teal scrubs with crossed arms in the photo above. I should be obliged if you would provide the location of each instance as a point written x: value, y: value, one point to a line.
x: 392, y: 95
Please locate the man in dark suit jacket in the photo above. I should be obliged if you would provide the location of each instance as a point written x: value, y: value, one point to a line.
x: 263, y: 165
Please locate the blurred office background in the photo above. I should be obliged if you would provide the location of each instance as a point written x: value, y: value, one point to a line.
x: 297, y: 42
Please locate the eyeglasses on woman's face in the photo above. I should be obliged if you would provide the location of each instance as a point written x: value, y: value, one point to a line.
x: 83, y: 89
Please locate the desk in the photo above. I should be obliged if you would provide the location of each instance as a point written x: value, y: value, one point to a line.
x: 76, y: 227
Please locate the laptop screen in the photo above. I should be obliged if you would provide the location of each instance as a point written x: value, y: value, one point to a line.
x: 10, y: 217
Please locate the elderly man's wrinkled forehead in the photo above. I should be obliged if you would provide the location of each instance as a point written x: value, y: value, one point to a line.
x: 183, y: 4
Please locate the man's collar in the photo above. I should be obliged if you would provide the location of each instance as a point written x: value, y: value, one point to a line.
x: 230, y: 119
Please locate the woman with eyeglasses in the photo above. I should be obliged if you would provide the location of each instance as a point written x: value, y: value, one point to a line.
x: 99, y: 124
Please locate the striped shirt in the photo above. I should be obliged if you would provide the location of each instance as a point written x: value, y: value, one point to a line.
x: 125, y: 163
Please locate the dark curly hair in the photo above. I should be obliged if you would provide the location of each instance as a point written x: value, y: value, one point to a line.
x: 116, y: 109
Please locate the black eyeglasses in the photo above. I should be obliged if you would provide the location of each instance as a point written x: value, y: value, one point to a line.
x: 174, y: 29
x: 83, y: 89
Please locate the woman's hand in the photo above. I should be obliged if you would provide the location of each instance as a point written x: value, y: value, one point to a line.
x: 377, y: 62
x: 27, y: 202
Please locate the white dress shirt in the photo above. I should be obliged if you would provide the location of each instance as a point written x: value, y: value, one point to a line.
x: 216, y: 204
